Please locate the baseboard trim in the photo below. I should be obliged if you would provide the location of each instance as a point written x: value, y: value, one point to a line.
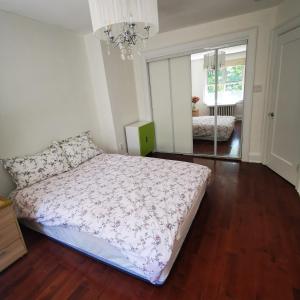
x: 255, y: 157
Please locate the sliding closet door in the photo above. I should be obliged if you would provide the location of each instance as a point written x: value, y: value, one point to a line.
x: 161, y: 105
x: 230, y: 100
x: 181, y: 94
x: 170, y: 85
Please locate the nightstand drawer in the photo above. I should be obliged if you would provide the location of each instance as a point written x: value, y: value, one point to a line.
x: 11, y: 253
x: 8, y: 234
x: 6, y: 216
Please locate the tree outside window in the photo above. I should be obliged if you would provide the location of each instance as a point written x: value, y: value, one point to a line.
x: 230, y: 85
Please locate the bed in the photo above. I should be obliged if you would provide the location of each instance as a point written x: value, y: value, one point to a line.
x: 130, y: 212
x: 204, y: 127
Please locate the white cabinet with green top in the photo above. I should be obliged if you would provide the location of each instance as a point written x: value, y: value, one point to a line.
x: 140, y: 138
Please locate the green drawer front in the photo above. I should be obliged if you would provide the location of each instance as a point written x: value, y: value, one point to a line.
x: 147, y: 138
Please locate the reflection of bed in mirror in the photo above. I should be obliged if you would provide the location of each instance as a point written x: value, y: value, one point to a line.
x: 204, y: 127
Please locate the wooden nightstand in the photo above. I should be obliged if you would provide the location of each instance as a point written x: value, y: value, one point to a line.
x: 12, y: 245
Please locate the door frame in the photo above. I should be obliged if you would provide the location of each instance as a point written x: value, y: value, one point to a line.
x: 271, y: 88
x: 189, y: 48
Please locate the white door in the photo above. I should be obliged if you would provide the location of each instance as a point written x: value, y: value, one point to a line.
x: 170, y: 86
x: 284, y: 140
x: 161, y: 105
x: 181, y: 90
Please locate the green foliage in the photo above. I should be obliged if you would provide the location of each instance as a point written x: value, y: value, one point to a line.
x: 211, y: 88
x: 229, y: 78
x: 211, y: 76
x: 234, y: 73
x: 236, y: 86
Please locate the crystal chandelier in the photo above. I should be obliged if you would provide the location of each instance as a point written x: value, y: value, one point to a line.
x: 124, y: 24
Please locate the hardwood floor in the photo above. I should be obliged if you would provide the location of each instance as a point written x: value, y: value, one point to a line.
x: 230, y: 148
x: 243, y: 244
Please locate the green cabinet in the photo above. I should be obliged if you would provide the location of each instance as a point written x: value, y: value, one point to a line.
x: 140, y: 138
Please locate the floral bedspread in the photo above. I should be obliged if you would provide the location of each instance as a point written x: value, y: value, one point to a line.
x: 204, y: 127
x: 136, y: 204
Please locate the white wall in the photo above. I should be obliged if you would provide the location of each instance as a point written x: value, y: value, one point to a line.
x: 102, y: 104
x: 263, y: 20
x: 122, y: 93
x: 45, y: 90
x: 288, y: 10
x: 198, y: 85
x: 57, y: 84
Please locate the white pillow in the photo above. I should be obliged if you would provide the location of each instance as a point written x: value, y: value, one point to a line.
x: 28, y: 170
x: 79, y: 149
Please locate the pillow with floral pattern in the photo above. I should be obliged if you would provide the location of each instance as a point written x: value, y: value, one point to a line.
x: 79, y: 149
x: 28, y: 170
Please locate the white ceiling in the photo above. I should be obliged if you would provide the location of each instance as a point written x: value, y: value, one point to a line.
x: 74, y: 14
x: 181, y: 13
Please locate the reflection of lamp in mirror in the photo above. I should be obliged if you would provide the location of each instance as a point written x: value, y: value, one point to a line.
x: 210, y: 60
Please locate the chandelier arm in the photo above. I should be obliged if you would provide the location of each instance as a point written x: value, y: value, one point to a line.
x: 119, y: 39
x: 128, y: 38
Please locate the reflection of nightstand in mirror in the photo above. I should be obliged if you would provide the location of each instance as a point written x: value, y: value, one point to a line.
x: 12, y: 245
x: 195, y: 113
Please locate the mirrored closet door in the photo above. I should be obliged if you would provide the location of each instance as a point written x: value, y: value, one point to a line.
x: 198, y: 101
x: 218, y: 79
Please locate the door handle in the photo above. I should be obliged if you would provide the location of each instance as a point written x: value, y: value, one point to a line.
x: 271, y: 114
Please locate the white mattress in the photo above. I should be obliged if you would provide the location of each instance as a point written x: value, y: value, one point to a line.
x: 103, y: 251
x: 204, y: 127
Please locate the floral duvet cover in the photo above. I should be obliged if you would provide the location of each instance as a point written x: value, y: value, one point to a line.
x: 204, y: 127
x: 136, y: 204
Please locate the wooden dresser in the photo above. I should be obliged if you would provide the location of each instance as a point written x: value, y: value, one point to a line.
x: 12, y: 245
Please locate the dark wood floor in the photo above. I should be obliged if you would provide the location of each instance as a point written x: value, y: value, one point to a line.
x: 244, y: 244
x: 230, y: 148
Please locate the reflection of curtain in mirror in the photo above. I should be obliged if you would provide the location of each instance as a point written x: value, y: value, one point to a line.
x: 210, y: 60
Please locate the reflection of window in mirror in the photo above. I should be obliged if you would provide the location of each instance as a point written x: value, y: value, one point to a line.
x: 230, y: 84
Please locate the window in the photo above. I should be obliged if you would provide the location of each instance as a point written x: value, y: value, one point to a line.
x: 230, y: 85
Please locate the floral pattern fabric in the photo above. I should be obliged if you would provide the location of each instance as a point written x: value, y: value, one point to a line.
x: 79, y: 149
x: 28, y: 170
x: 204, y: 127
x: 134, y: 203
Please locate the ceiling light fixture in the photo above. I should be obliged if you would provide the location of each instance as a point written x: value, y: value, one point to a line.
x: 126, y: 24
